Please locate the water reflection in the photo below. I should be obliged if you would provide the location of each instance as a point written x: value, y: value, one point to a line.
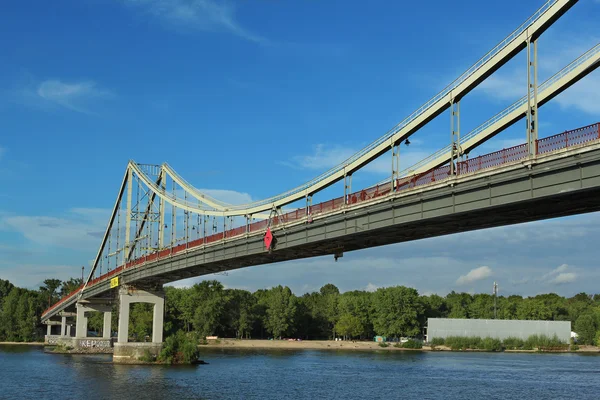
x: 27, y: 372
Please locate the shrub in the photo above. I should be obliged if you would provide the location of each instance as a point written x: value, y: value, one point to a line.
x: 491, y: 344
x: 179, y: 349
x: 383, y: 344
x: 147, y: 356
x: 574, y: 347
x: 437, y: 341
x: 543, y: 342
x: 463, y: 342
x: 513, y: 343
x: 412, y: 344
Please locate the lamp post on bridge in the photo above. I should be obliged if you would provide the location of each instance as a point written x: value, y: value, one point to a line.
x: 82, y: 268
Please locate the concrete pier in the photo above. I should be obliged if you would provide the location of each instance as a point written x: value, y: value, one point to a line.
x: 130, y: 353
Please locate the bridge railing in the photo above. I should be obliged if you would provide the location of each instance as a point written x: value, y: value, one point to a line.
x: 561, y: 141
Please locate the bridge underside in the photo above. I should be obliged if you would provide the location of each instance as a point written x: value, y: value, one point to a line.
x: 555, y: 185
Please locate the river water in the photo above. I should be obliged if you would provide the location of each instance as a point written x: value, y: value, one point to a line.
x: 29, y: 373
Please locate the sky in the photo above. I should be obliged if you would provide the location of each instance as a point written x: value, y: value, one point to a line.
x: 247, y: 99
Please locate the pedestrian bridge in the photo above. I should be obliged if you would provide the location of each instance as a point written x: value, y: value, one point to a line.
x: 162, y: 229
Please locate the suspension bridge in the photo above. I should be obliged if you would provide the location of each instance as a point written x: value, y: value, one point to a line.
x: 163, y: 229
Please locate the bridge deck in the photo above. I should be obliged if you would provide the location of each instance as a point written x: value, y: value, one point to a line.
x: 500, y: 188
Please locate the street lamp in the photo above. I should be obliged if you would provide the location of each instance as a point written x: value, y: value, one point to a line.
x: 82, y: 267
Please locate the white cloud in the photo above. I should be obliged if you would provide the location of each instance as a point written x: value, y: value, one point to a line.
x: 205, y: 15
x: 584, y: 95
x: 80, y: 229
x: 511, y: 84
x: 474, y: 275
x: 73, y: 96
x: 564, y: 278
x: 560, y: 275
x: 371, y: 287
x: 325, y: 157
x: 228, y: 196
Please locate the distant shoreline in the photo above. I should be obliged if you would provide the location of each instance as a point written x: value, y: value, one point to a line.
x: 347, y: 345
x: 23, y: 343
x: 261, y: 344
x: 300, y: 345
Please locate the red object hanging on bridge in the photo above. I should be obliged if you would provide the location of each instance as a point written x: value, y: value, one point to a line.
x: 268, y: 238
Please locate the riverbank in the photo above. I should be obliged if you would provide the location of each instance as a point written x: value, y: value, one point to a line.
x: 309, y: 345
x: 342, y: 345
x: 297, y: 345
x: 23, y: 343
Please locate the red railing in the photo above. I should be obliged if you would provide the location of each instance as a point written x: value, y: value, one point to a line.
x: 549, y: 144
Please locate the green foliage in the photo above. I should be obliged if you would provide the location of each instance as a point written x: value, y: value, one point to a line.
x: 383, y: 344
x: 543, y: 342
x: 586, y: 327
x: 412, y: 344
x: 147, y: 357
x: 210, y: 302
x: 491, y: 344
x: 180, y: 348
x: 574, y: 347
x: 438, y: 341
x: 49, y: 290
x: 209, y: 309
x: 513, y: 343
x: 19, y: 315
x: 464, y: 342
x: 69, y: 286
x: 349, y: 325
x: 281, y: 307
x: 396, y: 311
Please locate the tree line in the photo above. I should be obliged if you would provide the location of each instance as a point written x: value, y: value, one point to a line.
x: 208, y: 308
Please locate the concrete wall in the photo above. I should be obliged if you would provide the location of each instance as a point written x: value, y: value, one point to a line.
x: 497, y: 328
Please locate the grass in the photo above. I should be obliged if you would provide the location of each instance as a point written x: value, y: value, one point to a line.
x: 539, y: 342
x: 412, y: 344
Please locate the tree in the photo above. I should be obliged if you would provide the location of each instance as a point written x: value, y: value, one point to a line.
x: 281, y: 307
x: 397, y: 311
x: 240, y: 311
x: 49, y: 288
x: 70, y: 286
x: 349, y: 326
x: 330, y: 295
x: 5, y: 288
x: 458, y: 304
x: 210, y: 302
x: 140, y: 320
x: 586, y: 327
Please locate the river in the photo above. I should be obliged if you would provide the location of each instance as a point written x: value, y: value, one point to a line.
x: 26, y: 372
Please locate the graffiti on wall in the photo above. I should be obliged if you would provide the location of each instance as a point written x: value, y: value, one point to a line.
x: 89, y: 343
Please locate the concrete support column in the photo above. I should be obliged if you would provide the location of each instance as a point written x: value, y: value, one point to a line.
x: 48, y: 330
x: 63, y: 326
x: 82, y: 322
x: 129, y: 295
x: 107, y: 323
x: 157, y: 321
x: 69, y: 330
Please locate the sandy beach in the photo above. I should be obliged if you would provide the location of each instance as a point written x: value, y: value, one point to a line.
x: 304, y: 345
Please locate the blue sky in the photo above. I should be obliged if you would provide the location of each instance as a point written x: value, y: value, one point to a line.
x: 250, y: 98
